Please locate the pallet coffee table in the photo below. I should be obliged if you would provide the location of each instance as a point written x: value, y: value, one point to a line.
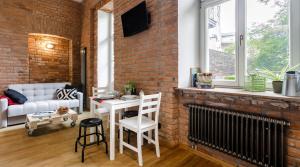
x: 51, y: 117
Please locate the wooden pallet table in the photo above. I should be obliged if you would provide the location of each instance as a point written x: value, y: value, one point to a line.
x: 33, y: 121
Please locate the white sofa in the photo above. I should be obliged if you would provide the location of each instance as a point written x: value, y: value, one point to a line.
x: 41, y: 97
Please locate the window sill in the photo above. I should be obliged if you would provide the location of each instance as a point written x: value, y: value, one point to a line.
x: 237, y: 92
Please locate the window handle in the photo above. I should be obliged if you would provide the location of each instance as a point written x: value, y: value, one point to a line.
x: 241, y: 39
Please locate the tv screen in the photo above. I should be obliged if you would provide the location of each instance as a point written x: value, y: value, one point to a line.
x: 135, y: 20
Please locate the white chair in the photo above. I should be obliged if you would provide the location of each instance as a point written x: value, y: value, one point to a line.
x: 99, y: 111
x: 149, y: 104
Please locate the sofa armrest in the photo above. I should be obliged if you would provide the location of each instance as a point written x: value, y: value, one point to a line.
x: 3, y: 112
x: 80, y: 98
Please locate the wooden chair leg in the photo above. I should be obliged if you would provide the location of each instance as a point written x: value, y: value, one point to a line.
x: 139, y: 148
x: 121, y: 138
x: 157, y: 143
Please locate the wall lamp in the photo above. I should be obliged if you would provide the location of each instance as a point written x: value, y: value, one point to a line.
x: 49, y: 45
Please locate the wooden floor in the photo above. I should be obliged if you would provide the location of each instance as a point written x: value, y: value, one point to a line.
x: 53, y: 146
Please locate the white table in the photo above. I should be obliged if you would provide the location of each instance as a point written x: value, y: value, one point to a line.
x: 112, y: 105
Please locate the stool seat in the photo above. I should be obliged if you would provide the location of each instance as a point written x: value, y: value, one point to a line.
x: 90, y: 122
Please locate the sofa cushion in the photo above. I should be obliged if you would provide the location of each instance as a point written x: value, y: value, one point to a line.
x: 15, y: 110
x: 40, y: 106
x: 66, y: 94
x: 15, y: 96
x: 9, y: 100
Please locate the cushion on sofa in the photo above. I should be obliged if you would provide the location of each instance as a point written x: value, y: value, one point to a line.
x: 40, y: 106
x: 66, y: 94
x: 15, y: 96
x: 10, y: 101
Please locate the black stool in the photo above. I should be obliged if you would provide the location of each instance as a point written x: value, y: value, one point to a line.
x: 90, y: 123
x: 129, y: 114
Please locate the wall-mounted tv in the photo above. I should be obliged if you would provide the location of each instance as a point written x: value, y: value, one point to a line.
x: 135, y: 20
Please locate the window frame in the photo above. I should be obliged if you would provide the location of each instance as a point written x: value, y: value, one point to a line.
x: 240, y: 20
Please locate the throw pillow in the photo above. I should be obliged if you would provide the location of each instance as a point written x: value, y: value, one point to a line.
x: 15, y: 96
x: 66, y: 94
x: 10, y: 101
x: 70, y: 87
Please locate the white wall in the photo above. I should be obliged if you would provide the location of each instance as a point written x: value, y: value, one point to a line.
x: 188, y: 39
x: 105, y: 50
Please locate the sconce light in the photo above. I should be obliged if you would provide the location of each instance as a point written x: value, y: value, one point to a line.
x: 49, y: 45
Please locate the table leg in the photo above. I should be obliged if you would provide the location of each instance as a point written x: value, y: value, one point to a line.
x: 92, y: 130
x: 112, y: 134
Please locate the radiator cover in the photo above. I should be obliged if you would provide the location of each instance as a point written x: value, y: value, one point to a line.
x: 256, y: 139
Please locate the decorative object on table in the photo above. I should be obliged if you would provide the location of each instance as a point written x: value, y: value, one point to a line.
x: 291, y: 84
x: 194, y: 72
x: 105, y: 96
x: 141, y: 93
x: 130, y: 88
x: 255, y: 83
x: 129, y: 97
x: 277, y: 77
x: 62, y: 110
x: 40, y: 115
x: 204, y: 80
x: 50, y: 117
x: 116, y: 94
x: 66, y: 94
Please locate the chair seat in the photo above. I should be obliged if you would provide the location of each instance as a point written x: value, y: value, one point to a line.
x: 90, y: 122
x: 132, y: 123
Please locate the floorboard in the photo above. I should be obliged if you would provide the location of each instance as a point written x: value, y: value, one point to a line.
x: 53, y: 146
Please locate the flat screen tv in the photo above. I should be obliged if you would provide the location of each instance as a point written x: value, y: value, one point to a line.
x: 135, y: 20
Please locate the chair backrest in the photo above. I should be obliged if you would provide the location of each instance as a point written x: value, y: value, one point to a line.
x: 99, y: 91
x: 149, y: 104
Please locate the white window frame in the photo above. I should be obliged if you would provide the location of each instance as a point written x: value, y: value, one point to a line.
x: 240, y: 44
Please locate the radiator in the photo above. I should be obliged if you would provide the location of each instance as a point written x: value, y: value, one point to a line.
x: 256, y: 139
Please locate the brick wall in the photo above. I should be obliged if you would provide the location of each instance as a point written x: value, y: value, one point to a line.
x: 49, y: 64
x: 150, y: 58
x: 18, y: 18
x: 286, y: 109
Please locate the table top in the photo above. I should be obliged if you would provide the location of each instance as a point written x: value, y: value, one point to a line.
x: 118, y: 103
x: 32, y: 118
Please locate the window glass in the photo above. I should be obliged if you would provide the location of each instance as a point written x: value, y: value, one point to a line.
x: 220, y: 40
x: 267, y: 35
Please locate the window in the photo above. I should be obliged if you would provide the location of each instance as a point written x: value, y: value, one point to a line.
x: 239, y: 37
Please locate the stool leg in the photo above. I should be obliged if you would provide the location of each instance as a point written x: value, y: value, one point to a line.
x: 78, y: 138
x: 97, y: 134
x: 103, y: 138
x: 84, y: 144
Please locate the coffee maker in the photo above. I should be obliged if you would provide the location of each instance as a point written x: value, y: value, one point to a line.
x: 291, y: 84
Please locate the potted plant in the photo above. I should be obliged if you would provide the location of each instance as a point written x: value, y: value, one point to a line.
x: 277, y: 77
x: 130, y: 88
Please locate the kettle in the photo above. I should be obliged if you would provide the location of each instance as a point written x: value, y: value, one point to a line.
x: 291, y: 84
